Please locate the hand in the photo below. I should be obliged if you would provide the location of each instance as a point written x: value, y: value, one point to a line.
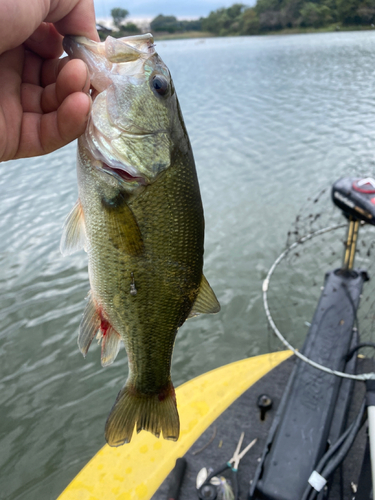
x: 44, y: 101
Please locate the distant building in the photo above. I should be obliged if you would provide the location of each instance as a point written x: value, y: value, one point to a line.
x: 100, y: 28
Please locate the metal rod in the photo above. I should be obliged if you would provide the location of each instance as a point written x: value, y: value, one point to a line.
x: 354, y: 244
x: 345, y: 264
x: 351, y: 244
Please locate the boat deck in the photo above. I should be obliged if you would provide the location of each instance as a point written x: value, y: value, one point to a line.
x: 216, y: 445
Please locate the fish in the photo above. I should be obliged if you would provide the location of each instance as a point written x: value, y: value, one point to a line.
x: 139, y: 216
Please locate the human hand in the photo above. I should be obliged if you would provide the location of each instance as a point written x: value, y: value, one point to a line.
x: 44, y: 101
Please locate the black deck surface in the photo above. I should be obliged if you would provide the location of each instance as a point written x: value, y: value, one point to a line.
x: 244, y: 416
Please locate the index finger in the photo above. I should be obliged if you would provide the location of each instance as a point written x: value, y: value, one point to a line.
x: 78, y: 20
x: 19, y: 19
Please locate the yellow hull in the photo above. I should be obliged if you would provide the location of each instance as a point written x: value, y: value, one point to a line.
x: 136, y: 470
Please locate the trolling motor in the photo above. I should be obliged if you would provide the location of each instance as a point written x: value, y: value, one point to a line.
x: 356, y: 198
x: 314, y: 406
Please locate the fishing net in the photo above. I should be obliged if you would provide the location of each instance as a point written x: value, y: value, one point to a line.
x: 315, y: 244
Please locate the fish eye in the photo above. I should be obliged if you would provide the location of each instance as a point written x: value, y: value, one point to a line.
x: 159, y: 84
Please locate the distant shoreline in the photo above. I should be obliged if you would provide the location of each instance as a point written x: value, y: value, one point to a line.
x: 287, y: 31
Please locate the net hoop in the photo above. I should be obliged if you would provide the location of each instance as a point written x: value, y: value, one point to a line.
x: 266, y: 282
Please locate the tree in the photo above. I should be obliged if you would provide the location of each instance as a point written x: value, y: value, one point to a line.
x: 347, y: 11
x: 250, y: 22
x: 267, y: 6
x: 118, y: 16
x: 315, y: 15
x: 224, y: 21
x: 271, y: 20
x: 165, y: 23
x: 130, y: 28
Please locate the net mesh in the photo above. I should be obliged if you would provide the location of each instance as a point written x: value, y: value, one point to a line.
x: 297, y: 281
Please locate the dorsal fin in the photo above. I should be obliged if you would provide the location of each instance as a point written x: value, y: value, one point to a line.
x: 206, y: 301
x: 73, y: 237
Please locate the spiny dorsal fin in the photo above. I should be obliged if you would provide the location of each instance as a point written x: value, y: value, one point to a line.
x: 73, y: 237
x: 206, y: 301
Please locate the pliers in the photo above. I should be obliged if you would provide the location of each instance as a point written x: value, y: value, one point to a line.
x: 232, y: 464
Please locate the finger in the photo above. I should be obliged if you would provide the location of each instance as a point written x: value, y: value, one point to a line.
x: 80, y: 20
x: 72, y: 116
x: 42, y: 134
x: 31, y: 97
x: 51, y: 69
x: 45, y: 41
x: 32, y: 68
x: 48, y: 99
x: 74, y: 77
x: 11, y: 63
x: 20, y: 18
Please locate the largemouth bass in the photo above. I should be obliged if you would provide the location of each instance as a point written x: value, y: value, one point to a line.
x: 139, y: 216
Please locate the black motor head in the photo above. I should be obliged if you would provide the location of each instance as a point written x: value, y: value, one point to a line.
x: 356, y: 197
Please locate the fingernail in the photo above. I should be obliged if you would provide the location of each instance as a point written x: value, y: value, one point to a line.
x: 40, y: 34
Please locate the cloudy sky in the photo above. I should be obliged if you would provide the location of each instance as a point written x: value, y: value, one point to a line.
x: 151, y: 8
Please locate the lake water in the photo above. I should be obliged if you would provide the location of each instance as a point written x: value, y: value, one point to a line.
x: 272, y: 120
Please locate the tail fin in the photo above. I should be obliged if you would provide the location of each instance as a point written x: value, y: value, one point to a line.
x: 155, y: 413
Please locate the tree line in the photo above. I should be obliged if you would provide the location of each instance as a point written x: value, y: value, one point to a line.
x: 265, y: 16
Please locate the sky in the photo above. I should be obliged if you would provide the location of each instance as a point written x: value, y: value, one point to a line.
x: 151, y: 8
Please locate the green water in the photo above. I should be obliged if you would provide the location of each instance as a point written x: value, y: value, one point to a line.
x: 272, y: 120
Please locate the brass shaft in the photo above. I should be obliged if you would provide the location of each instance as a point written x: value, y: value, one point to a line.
x: 351, y: 244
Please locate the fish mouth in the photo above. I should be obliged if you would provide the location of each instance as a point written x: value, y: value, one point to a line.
x: 124, y: 175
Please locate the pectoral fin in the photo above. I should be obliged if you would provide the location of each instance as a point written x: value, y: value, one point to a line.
x: 94, y: 323
x: 123, y: 229
x: 90, y: 324
x: 206, y: 301
x: 73, y: 237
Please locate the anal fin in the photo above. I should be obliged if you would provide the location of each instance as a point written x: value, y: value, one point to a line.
x: 206, y: 301
x: 111, y: 343
x: 73, y: 237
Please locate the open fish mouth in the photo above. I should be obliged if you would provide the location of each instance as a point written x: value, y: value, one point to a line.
x: 123, y: 175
